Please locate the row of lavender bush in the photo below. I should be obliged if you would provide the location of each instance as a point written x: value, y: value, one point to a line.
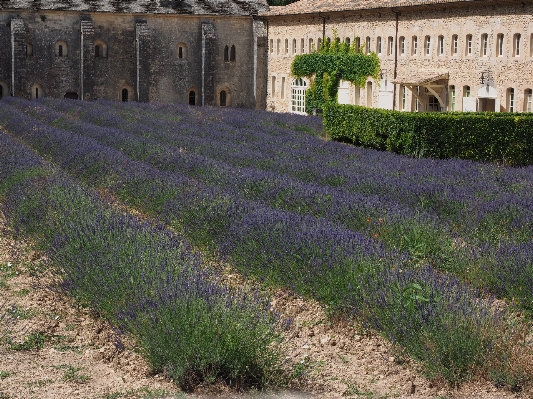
x: 345, y: 269
x: 145, y: 280
x: 472, y: 215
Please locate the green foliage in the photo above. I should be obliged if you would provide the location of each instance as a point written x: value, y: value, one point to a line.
x: 486, y: 137
x: 332, y: 62
x: 34, y: 341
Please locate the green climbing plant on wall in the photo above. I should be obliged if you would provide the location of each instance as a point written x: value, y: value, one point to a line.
x: 326, y: 66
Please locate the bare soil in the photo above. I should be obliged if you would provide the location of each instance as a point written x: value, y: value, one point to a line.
x: 79, y: 357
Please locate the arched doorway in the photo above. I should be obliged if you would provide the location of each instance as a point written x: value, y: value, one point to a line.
x: 298, y: 89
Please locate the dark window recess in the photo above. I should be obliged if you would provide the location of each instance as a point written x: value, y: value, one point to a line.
x: 223, y: 98
x: 1, y: 91
x: 232, y: 54
x: 125, y: 95
x: 226, y: 54
x: 97, y: 51
x: 70, y: 95
x: 60, y: 50
x: 180, y: 52
x: 36, y: 92
x: 192, y: 97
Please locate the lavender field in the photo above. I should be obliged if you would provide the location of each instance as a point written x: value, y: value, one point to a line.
x: 417, y: 249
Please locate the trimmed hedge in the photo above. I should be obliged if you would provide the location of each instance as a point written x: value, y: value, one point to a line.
x: 478, y: 136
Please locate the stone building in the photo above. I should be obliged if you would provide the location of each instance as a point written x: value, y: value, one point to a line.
x: 210, y: 52
x: 436, y: 55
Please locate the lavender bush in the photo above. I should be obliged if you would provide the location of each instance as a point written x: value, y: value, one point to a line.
x: 136, y: 272
x: 328, y: 220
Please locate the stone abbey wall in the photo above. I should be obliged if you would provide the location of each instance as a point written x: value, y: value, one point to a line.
x: 154, y: 57
x: 511, y: 73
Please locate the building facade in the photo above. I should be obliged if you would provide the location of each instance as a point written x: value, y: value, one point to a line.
x: 186, y: 51
x: 436, y: 55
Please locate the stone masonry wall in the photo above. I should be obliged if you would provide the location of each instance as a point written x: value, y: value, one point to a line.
x: 508, y: 71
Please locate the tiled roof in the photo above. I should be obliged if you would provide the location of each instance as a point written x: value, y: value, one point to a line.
x: 315, y: 6
x: 420, y: 77
x: 198, y: 7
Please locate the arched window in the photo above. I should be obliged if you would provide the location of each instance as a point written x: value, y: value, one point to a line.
x: 414, y: 45
x: 192, y: 97
x: 223, y: 98
x: 402, y: 45
x: 484, y: 50
x: 298, y: 89
x: 427, y: 45
x: 294, y: 49
x: 466, y: 91
x: 125, y: 95
x: 29, y: 50
x: 232, y: 53
x: 517, y: 44
x: 61, y: 49
x: 440, y: 45
x: 455, y: 44
x: 499, y: 45
x: 378, y: 45
x: 226, y: 54
x: 100, y: 49
x: 347, y: 41
x: 468, y: 48
x: 36, y: 91
x: 182, y: 50
x: 452, y: 98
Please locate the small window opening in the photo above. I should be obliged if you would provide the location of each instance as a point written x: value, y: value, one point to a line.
x: 60, y: 50
x: 223, y: 96
x: 192, y: 97
x: 232, y: 54
x: 226, y: 54
x: 125, y: 95
x: 29, y: 50
x: 180, y: 52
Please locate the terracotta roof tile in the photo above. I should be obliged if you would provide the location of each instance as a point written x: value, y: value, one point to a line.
x: 315, y: 6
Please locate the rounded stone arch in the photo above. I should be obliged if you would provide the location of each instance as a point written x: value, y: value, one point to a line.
x: 100, y: 49
x: 299, y: 88
x: 192, y: 95
x: 182, y: 51
x: 61, y: 48
x: 126, y: 93
x: 37, y: 91
x: 223, y: 96
x: 4, y: 89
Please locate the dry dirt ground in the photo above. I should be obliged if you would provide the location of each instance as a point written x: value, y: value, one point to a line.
x: 73, y: 354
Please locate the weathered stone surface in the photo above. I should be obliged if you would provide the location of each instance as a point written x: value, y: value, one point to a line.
x: 196, y: 7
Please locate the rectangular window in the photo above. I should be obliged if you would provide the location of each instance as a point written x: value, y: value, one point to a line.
x: 302, y: 46
x: 455, y: 44
x: 367, y: 47
x: 433, y: 104
x: 441, y: 45
x: 273, y: 89
x: 428, y: 45
x: 279, y: 47
x: 404, y: 97
x: 402, y: 45
x: 529, y: 100
x: 378, y: 45
x: 286, y: 46
x: 294, y: 49
x: 415, y: 46
x: 271, y: 46
x: 466, y: 91
x: 283, y: 87
x: 468, y: 44
x: 311, y: 46
x: 511, y: 99
x: 391, y: 46
x: 499, y: 48
x: 358, y: 43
